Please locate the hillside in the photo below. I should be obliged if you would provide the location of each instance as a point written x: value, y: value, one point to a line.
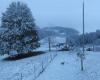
x: 57, y: 31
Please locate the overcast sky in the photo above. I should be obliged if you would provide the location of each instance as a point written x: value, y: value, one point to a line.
x: 65, y: 13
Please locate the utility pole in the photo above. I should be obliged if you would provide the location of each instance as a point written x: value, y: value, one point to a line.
x: 82, y: 55
x: 83, y: 28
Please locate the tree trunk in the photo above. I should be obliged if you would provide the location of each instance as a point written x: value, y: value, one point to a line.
x: 49, y: 43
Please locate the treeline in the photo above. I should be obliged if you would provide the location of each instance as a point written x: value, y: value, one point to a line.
x: 90, y: 38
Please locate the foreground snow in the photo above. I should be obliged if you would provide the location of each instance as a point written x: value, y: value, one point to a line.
x: 66, y: 66
x: 24, y: 69
x: 71, y: 69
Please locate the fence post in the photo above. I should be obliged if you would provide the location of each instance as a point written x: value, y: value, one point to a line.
x: 50, y: 57
x: 34, y: 72
x: 42, y: 66
x: 21, y: 76
x: 45, y: 60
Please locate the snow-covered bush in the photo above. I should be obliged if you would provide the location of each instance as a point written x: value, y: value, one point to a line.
x: 20, y: 35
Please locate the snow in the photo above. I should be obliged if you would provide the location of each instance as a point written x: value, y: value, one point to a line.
x: 13, y: 52
x: 71, y: 68
x: 54, y: 42
x: 24, y: 68
x: 65, y: 66
x: 60, y: 40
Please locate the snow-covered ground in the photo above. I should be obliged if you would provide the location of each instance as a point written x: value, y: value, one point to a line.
x: 71, y: 68
x: 27, y: 68
x: 65, y: 66
x: 54, y: 42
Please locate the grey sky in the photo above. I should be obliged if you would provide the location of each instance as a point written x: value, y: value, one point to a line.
x: 66, y: 13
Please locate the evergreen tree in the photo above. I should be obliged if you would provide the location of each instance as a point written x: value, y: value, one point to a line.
x: 20, y: 34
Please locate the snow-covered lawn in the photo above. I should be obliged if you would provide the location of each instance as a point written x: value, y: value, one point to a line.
x: 24, y: 68
x: 66, y: 66
x: 70, y: 70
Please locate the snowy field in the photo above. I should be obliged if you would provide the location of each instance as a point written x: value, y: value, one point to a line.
x: 24, y: 69
x: 70, y: 70
x: 65, y: 66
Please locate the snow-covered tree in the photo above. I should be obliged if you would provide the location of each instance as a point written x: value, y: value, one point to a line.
x: 20, y: 34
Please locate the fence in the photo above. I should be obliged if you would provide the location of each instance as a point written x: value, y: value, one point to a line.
x: 35, y: 71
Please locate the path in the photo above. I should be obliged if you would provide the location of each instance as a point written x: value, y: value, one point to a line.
x: 71, y: 68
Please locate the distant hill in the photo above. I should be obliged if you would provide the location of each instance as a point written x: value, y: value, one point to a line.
x: 57, y: 31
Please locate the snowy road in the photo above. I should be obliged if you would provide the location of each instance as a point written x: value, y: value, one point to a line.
x: 71, y: 68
